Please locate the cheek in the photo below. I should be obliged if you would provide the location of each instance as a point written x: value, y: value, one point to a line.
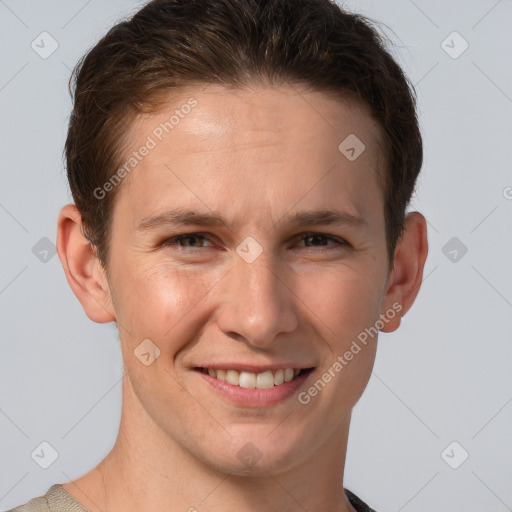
x: 345, y: 306
x: 344, y: 300
x: 157, y: 300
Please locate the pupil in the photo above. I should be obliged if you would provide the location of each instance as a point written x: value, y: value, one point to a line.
x: 190, y: 239
x: 314, y: 238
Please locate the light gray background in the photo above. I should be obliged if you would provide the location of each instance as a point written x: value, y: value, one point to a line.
x: 445, y: 376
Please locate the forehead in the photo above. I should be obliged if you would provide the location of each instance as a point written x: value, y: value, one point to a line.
x: 224, y: 118
x: 257, y: 149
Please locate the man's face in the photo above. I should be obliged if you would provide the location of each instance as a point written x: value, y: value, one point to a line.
x: 270, y: 287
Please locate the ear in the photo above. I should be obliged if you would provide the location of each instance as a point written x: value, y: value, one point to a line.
x: 83, y: 269
x: 405, y: 279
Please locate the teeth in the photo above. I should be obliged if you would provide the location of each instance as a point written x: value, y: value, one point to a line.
x: 233, y: 377
x: 247, y: 380
x: 263, y: 380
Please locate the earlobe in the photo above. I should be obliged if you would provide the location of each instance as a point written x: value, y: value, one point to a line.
x: 407, y: 274
x: 83, y: 269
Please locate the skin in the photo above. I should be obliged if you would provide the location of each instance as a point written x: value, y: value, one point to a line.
x: 254, y: 155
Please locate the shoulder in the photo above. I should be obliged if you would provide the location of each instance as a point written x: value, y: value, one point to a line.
x: 357, y: 502
x: 56, y: 499
x: 39, y: 504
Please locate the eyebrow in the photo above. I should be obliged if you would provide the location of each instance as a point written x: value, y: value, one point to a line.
x: 180, y: 216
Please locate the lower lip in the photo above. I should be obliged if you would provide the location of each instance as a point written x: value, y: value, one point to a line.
x: 252, y: 396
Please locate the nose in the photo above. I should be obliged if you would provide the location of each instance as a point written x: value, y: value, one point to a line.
x: 257, y: 304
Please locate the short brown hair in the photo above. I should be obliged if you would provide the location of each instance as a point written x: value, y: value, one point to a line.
x: 172, y: 44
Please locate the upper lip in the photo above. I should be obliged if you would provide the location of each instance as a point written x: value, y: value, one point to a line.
x: 254, y: 368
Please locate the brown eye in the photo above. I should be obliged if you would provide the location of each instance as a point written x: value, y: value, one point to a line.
x: 316, y: 240
x: 188, y: 241
x: 322, y: 240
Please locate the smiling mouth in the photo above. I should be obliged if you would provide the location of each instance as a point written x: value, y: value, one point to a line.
x: 249, y: 380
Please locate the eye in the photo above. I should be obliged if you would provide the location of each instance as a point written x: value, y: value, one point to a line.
x: 321, y: 240
x: 188, y: 241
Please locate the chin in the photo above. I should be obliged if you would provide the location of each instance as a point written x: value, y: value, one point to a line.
x: 255, y: 453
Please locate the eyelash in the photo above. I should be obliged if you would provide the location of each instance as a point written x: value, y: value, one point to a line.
x: 174, y: 241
